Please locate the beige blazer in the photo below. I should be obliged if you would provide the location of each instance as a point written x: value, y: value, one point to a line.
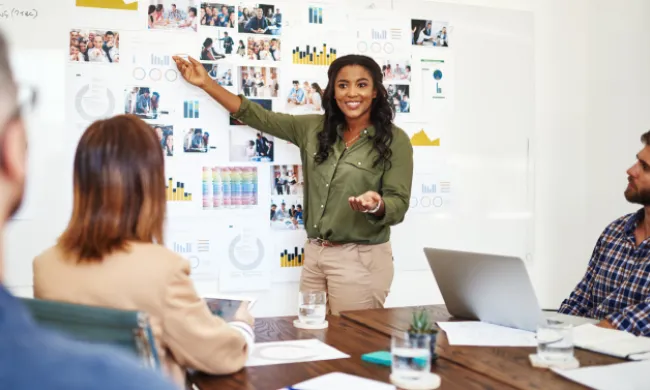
x: 153, y: 279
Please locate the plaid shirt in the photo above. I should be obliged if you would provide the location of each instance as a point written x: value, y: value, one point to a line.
x: 616, y: 285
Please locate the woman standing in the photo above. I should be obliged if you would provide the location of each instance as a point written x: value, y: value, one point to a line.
x: 358, y: 168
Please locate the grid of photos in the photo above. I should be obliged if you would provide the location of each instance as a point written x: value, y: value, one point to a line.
x: 97, y: 46
x: 429, y: 33
x: 400, y: 97
x: 221, y: 73
x: 144, y: 102
x: 305, y: 97
x: 259, y: 19
x: 396, y: 71
x: 259, y: 81
x: 197, y: 140
x: 262, y: 48
x: 249, y: 145
x: 217, y: 47
x: 165, y: 134
x: 177, y: 15
x: 287, y: 186
x: 218, y: 15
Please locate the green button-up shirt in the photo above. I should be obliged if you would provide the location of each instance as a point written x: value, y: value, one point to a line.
x: 327, y: 213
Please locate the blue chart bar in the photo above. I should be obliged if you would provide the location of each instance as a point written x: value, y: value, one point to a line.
x: 191, y: 109
x: 438, y: 89
x: 431, y: 189
x: 186, y: 248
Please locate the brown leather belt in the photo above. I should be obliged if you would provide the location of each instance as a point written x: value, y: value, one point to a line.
x: 325, y: 243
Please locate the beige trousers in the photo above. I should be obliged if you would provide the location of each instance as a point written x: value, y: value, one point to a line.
x: 355, y: 277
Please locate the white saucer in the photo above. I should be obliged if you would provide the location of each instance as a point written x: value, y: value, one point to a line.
x: 300, y: 325
x: 538, y: 362
x: 430, y: 381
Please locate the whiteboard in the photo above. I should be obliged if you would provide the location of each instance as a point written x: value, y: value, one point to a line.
x: 483, y: 162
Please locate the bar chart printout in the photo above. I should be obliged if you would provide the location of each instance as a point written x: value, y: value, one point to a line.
x: 313, y: 55
x: 176, y: 191
x: 191, y: 109
x: 293, y: 258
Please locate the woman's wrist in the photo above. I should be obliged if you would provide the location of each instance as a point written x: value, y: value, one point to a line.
x: 377, y: 208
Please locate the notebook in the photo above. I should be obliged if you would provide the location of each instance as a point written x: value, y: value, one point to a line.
x: 339, y: 380
x: 611, y: 342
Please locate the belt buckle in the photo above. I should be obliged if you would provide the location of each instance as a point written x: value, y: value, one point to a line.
x: 323, y: 242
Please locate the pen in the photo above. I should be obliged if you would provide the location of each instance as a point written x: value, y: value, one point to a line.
x: 195, y: 387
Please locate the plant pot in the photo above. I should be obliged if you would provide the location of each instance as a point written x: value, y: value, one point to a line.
x: 419, y: 339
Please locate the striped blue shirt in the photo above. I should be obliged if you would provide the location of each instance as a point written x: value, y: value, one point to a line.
x: 616, y: 286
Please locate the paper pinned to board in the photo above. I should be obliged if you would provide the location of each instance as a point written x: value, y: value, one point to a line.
x: 622, y: 376
x: 482, y: 334
x: 296, y: 351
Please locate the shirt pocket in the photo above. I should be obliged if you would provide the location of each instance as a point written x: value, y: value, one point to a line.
x: 360, y: 176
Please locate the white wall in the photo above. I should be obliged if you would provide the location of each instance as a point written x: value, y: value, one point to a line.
x: 592, y: 98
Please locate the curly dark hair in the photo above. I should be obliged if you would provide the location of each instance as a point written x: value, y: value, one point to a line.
x: 381, y: 111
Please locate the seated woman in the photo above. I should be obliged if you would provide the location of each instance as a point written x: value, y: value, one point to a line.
x: 112, y: 255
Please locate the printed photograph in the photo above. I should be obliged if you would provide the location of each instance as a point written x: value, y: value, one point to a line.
x: 249, y: 145
x: 221, y: 73
x: 429, y: 33
x: 165, y: 134
x: 305, y: 97
x: 259, y: 81
x: 218, y: 15
x: 399, y: 97
x: 396, y: 71
x: 98, y: 46
x: 218, y: 47
x: 266, y: 103
x: 262, y: 49
x: 259, y: 19
x: 287, y: 180
x: 179, y: 15
x: 197, y: 141
x: 143, y: 102
x: 286, y: 213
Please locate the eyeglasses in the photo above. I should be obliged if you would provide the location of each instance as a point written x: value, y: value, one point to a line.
x: 27, y: 98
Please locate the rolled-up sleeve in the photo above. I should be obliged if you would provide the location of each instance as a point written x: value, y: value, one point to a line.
x: 196, y: 338
x: 396, y: 182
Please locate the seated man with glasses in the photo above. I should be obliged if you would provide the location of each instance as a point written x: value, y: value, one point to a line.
x: 32, y: 357
x: 616, y: 286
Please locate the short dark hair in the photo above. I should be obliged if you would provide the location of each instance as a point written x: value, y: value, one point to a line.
x: 645, y: 138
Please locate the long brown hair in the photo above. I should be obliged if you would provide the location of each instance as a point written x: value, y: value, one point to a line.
x: 119, y: 189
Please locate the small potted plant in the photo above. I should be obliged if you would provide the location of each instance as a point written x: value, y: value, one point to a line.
x: 421, y: 325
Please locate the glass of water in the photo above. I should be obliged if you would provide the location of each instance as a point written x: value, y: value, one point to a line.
x: 555, y: 340
x: 312, y: 307
x: 411, y: 355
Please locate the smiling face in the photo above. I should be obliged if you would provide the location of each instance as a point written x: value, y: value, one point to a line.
x: 638, y: 188
x: 354, y: 91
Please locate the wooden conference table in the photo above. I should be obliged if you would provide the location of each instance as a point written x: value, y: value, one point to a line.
x: 358, y: 332
x: 509, y: 365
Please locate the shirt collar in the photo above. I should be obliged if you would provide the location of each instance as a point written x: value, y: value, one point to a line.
x: 368, y: 131
x: 632, y: 223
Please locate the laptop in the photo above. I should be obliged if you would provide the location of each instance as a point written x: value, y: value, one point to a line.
x: 490, y: 288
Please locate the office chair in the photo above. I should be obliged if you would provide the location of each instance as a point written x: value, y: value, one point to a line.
x: 126, y: 330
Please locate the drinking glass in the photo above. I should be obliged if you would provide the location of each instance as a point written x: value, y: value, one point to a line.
x: 312, y: 307
x: 411, y: 356
x: 555, y: 340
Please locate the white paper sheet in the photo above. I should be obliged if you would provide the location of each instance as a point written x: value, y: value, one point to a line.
x: 623, y: 376
x: 339, y: 380
x: 483, y: 334
x: 296, y: 351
